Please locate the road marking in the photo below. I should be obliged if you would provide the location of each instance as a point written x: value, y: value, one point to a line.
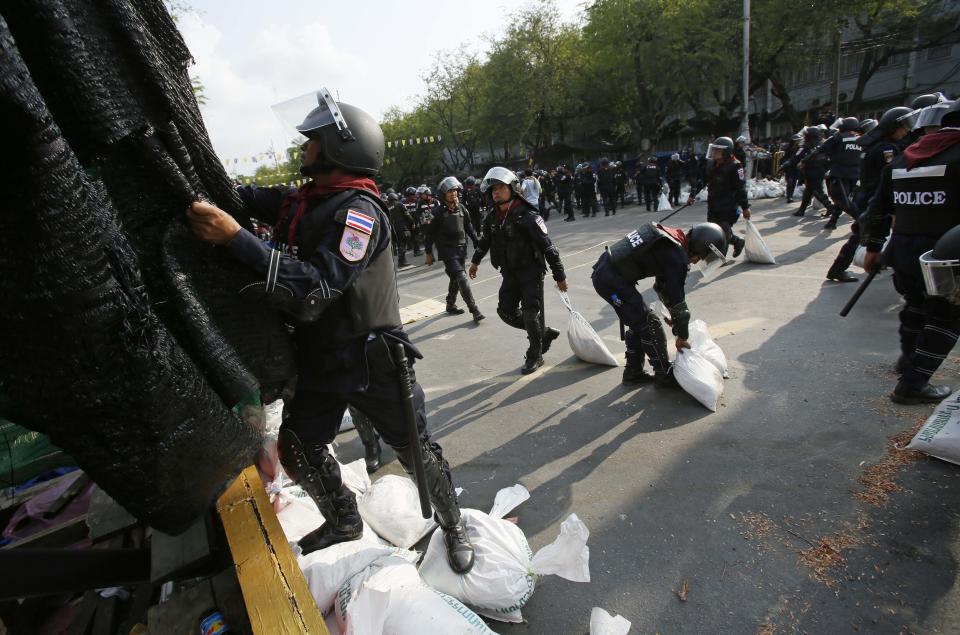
x: 421, y: 310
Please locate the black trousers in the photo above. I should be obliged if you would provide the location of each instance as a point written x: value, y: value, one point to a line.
x: 674, y: 192
x: 566, y: 205
x: 791, y: 185
x: 929, y: 326
x: 840, y: 191
x: 521, y: 291
x: 814, y: 187
x: 609, y: 202
x: 589, y: 200
x: 650, y: 194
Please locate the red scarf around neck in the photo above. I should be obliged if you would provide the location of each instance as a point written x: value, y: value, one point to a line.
x: 931, y: 145
x: 311, y: 191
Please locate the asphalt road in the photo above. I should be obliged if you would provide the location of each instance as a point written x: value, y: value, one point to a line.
x: 757, y: 510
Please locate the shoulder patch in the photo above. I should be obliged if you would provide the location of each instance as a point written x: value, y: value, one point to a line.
x: 888, y: 155
x: 359, y: 221
x: 353, y: 244
x: 740, y: 174
x: 543, y: 225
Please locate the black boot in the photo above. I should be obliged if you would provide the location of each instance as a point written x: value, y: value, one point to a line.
x: 841, y: 276
x: 534, y: 357
x: 369, y: 438
x: 665, y: 379
x: 633, y: 372
x: 467, y: 293
x: 800, y: 212
x: 654, y: 346
x: 910, y: 395
x: 460, y: 553
x: 313, y: 469
x: 738, y: 244
x: 548, y: 336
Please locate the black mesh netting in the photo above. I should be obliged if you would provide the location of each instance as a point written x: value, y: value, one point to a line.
x: 121, y: 336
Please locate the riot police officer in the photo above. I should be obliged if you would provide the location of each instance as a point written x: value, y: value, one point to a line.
x: 665, y: 254
x: 448, y: 229
x: 519, y: 247
x: 843, y: 150
x: 410, y: 198
x: 334, y: 275
x: 588, y: 190
x: 607, y: 184
x: 674, y: 178
x: 473, y: 201
x: 921, y: 190
x: 564, y: 180
x: 789, y: 167
x: 726, y: 190
x: 402, y: 223
x: 648, y: 183
x: 621, y: 178
x: 879, y: 145
x: 814, y: 168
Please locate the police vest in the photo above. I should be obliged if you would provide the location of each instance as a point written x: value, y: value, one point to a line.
x: 511, y: 247
x: 873, y: 159
x: 451, y: 231
x: 626, y: 254
x: 372, y: 302
x: 926, y: 198
x: 845, y: 157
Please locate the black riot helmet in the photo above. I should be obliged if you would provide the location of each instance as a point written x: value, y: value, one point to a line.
x: 867, y: 125
x: 951, y: 118
x: 392, y: 197
x: 721, y: 143
x: 708, y: 242
x: 812, y: 134
x: 941, y: 267
x: 410, y: 191
x: 351, y: 139
x: 849, y: 124
x: 894, y: 119
x: 470, y: 180
x: 933, y: 115
x: 927, y: 100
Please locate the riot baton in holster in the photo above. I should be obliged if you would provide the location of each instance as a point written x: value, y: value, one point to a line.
x: 859, y: 292
x: 847, y: 201
x: 399, y: 355
x: 682, y: 207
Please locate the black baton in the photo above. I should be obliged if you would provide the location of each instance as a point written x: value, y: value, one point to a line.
x: 856, y: 296
x: 399, y: 355
x: 684, y: 206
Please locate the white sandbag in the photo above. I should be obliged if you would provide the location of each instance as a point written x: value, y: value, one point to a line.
x: 702, y: 194
x: 755, y: 249
x: 392, y: 508
x: 505, y: 569
x: 663, y: 205
x: 328, y: 569
x: 299, y: 516
x: 940, y: 435
x: 602, y: 623
x: 701, y: 341
x: 584, y: 341
x: 698, y: 377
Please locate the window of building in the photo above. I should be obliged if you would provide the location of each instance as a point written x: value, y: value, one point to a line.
x: 895, y: 60
x: 939, y: 52
x: 851, y: 63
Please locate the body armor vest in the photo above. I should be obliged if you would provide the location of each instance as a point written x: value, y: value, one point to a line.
x: 626, y: 254
x: 926, y: 198
x: 511, y: 247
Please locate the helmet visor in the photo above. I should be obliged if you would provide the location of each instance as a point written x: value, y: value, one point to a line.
x: 709, y: 265
x: 932, y: 115
x: 909, y: 120
x: 310, y: 112
x: 497, y: 174
x: 941, y: 277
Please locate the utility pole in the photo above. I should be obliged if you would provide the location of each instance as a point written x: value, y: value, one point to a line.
x: 745, y: 100
x: 835, y: 84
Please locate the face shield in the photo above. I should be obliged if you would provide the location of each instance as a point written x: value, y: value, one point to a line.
x: 310, y: 112
x: 941, y: 277
x: 709, y: 265
x: 932, y: 115
x: 909, y: 120
x: 497, y: 174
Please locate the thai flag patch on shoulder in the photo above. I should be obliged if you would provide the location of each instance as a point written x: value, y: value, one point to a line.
x: 360, y: 222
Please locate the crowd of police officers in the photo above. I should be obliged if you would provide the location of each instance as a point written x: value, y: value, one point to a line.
x: 329, y: 265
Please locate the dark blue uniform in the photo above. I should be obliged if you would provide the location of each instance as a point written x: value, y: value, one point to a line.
x: 726, y: 196
x: 843, y: 150
x: 449, y: 230
x: 564, y: 182
x: 650, y: 251
x: 340, y: 257
x: 648, y: 185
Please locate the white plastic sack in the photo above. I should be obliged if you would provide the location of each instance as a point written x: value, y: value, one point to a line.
x: 663, y: 205
x: 699, y: 377
x: 755, y: 249
x: 940, y: 435
x: 602, y: 623
x: 584, y: 341
x: 328, y: 569
x: 861, y: 253
x: 392, y: 508
x: 701, y: 342
x: 505, y: 569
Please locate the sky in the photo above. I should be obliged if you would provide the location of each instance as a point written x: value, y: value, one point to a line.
x: 252, y: 54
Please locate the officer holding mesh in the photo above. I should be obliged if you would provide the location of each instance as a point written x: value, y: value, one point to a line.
x: 519, y: 247
x: 920, y: 189
x: 663, y: 253
x: 333, y: 274
x: 448, y: 229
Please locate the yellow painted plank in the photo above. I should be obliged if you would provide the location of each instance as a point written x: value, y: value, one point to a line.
x: 274, y: 590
